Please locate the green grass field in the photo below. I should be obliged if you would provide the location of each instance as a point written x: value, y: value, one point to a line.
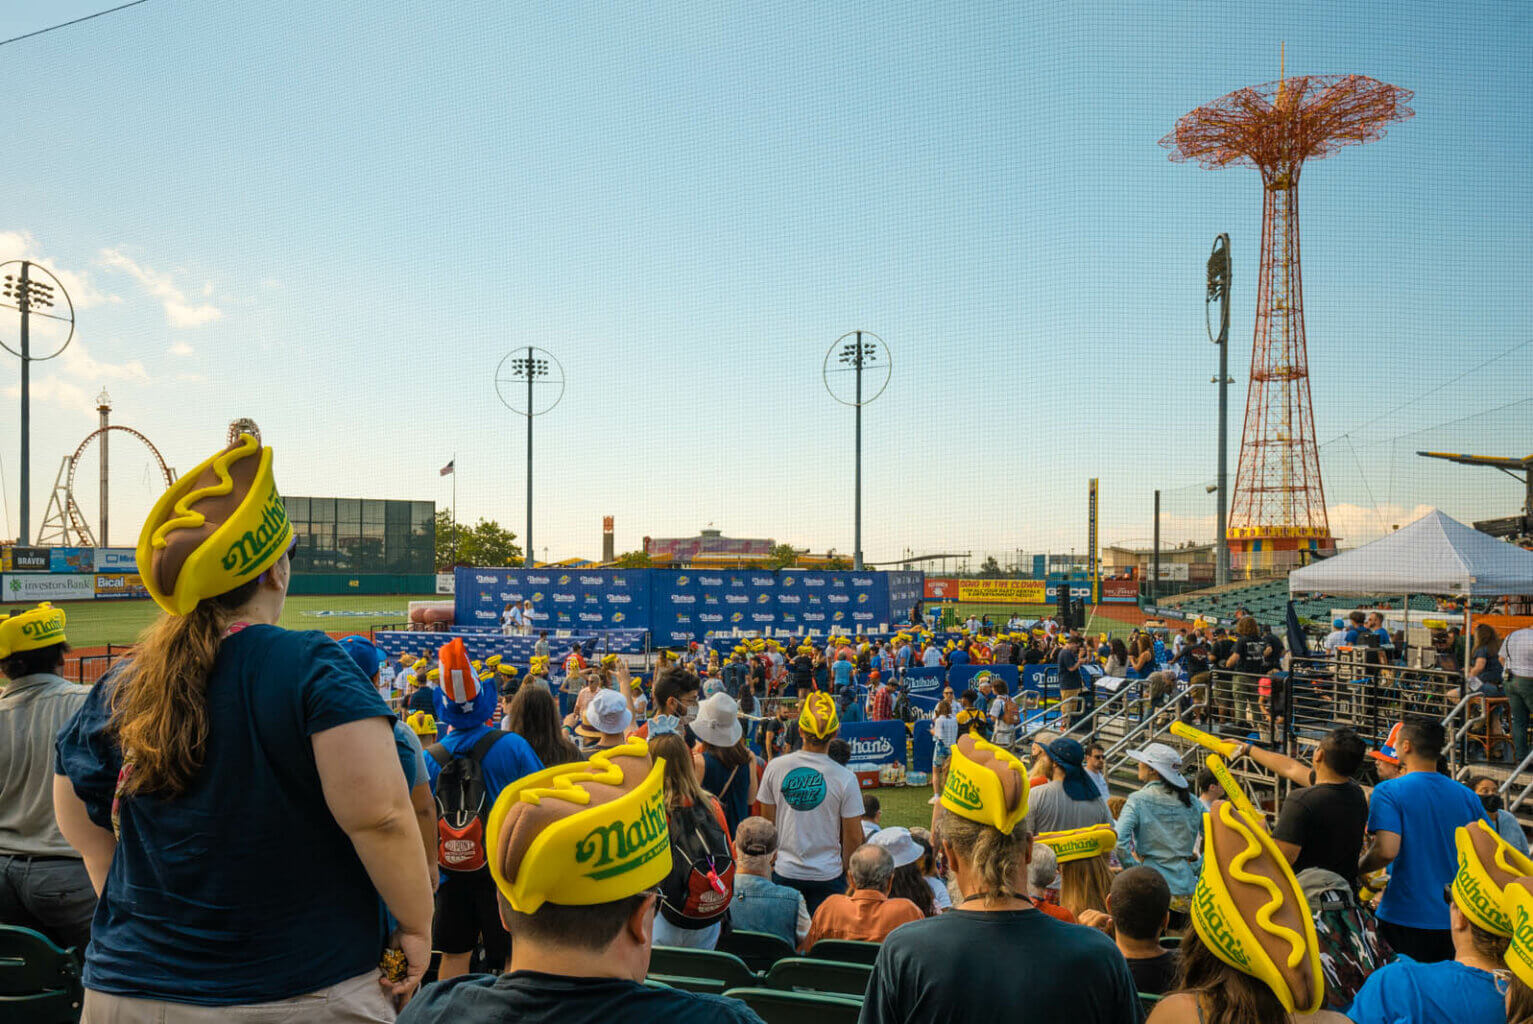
x: 904, y: 805
x: 1102, y: 622
x: 95, y: 623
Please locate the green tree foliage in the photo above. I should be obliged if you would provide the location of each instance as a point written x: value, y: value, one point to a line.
x: 486, y: 543
x: 634, y: 560
x: 782, y: 556
x: 838, y: 562
x: 990, y: 568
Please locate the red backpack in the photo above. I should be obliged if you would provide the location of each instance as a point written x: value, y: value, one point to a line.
x: 701, y: 884
x: 462, y: 804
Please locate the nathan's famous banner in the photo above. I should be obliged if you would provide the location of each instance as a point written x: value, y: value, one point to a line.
x: 874, y: 744
x: 1001, y: 591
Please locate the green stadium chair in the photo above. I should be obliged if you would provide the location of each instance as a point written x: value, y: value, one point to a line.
x: 711, y: 986
x: 39, y: 982
x: 774, y: 1006
x: 849, y: 950
x: 800, y: 972
x: 759, y: 950
x: 677, y: 962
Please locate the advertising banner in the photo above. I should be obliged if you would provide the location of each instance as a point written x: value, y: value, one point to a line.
x: 25, y: 559
x: 925, y: 682
x: 940, y: 588
x: 47, y: 587
x: 445, y: 583
x: 118, y: 585
x: 874, y: 744
x: 921, y: 746
x: 1078, y: 588
x: 116, y: 560
x: 1120, y: 591
x: 964, y: 677
x: 71, y: 559
x: 1002, y: 591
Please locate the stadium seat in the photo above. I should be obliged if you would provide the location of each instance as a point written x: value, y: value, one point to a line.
x: 712, y: 986
x: 847, y: 950
x: 39, y: 982
x: 817, y: 975
x: 759, y: 950
x: 678, y: 963
x: 774, y: 1006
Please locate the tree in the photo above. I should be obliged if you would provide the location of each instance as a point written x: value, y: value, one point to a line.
x: 837, y: 562
x: 634, y: 560
x: 486, y: 543
x: 990, y: 567
x: 782, y: 556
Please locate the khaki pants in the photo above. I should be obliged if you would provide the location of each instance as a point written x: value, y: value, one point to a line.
x: 359, y: 999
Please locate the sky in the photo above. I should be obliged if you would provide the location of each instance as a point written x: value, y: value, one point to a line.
x: 338, y: 219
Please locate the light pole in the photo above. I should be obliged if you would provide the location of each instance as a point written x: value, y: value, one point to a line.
x: 1219, y: 275
x: 854, y: 353
x: 32, y: 296
x: 531, y: 367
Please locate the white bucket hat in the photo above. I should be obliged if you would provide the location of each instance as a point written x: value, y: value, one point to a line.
x: 1165, y: 760
x: 608, y: 713
x: 718, y: 721
x: 901, y: 847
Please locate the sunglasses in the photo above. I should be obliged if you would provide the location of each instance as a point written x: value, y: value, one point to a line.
x: 292, y: 552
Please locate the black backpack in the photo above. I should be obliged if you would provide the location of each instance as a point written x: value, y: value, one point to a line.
x: 462, y: 804
x: 701, y: 884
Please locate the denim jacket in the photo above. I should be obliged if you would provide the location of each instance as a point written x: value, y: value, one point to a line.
x: 1154, y: 828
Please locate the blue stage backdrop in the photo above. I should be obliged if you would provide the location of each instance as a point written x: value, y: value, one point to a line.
x: 961, y: 677
x: 874, y: 743
x: 677, y: 606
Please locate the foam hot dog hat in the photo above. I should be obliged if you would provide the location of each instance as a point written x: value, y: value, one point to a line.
x: 1518, y: 903
x: 217, y: 528
x: 1486, y: 864
x: 1250, y: 912
x: 986, y: 783
x: 1079, y: 843
x: 31, y: 630
x: 583, y: 833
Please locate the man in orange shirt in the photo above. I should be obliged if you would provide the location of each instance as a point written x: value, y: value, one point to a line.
x: 868, y: 914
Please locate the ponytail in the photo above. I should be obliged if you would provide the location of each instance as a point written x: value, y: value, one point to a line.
x: 159, y: 705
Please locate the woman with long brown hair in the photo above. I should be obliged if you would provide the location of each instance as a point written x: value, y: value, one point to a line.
x: 728, y: 768
x: 684, y: 796
x: 234, y: 788
x: 534, y: 716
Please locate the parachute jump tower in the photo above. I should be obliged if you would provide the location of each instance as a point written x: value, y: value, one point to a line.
x: 1278, y: 508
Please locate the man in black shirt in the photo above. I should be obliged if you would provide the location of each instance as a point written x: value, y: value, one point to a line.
x: 1322, y: 822
x: 1138, y: 910
x: 580, y: 905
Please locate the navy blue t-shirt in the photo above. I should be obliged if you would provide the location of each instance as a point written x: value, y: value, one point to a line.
x: 508, y: 760
x: 242, y: 889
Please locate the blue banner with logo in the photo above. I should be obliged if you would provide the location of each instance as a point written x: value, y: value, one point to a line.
x: 963, y: 677
x: 874, y: 744
x: 1078, y: 588
x: 922, y: 746
x: 925, y: 682
x: 72, y: 560
x: 116, y: 560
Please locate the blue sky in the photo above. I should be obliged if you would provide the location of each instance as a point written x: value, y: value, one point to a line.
x: 336, y: 219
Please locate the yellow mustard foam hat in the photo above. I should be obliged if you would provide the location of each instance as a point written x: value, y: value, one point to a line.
x: 583, y: 833
x: 1486, y: 863
x: 818, y: 717
x: 32, y: 629
x: 506, y: 670
x: 608, y: 660
x: 422, y: 723
x: 1250, y: 912
x: 420, y: 663
x: 1518, y: 897
x: 493, y: 660
x: 217, y: 528
x: 986, y: 784
x: 1080, y: 843
x: 433, y: 674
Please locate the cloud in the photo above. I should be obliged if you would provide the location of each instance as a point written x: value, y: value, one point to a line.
x: 180, y: 311
x: 83, y: 293
x: 180, y: 348
x: 72, y: 380
x: 1354, y: 525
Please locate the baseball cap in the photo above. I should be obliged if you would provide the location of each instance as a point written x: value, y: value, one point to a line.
x: 364, y: 652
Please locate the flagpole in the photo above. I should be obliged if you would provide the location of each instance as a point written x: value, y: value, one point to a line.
x: 454, y: 465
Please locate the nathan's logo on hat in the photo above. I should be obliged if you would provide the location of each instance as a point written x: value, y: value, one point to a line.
x: 623, y: 845
x: 1486, y: 865
x: 254, y: 547
x: 1216, y: 929
x: 962, y: 789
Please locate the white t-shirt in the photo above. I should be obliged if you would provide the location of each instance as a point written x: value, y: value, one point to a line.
x: 941, y: 899
x: 510, y: 617
x: 812, y: 794
x: 1517, y: 652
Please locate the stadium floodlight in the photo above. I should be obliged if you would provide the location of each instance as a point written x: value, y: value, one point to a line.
x: 31, y: 296
x: 1219, y: 271
x: 520, y: 373
x: 856, y: 353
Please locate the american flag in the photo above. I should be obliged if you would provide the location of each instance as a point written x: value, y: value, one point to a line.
x: 447, y: 468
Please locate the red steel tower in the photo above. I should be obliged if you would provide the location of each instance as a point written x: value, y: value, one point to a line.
x: 1278, y: 507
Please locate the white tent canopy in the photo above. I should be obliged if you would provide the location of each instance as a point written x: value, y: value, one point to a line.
x: 1434, y: 555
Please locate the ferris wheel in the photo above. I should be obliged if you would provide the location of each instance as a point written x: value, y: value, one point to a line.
x: 64, y: 525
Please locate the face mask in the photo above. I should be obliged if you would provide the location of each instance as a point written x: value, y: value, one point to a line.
x: 691, y: 714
